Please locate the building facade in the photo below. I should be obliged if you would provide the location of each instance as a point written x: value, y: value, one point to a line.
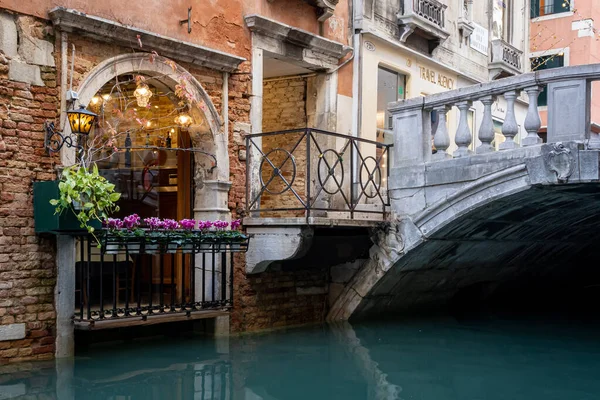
x: 271, y: 111
x: 418, y: 48
x: 221, y: 59
x: 563, y: 34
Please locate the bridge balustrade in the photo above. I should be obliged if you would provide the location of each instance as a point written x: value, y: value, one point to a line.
x: 569, y: 98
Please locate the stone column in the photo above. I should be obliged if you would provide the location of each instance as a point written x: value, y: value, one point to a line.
x: 256, y: 116
x: 441, y: 139
x: 64, y: 296
x: 463, y: 133
x: 486, y: 130
x: 510, y: 128
x: 532, y: 120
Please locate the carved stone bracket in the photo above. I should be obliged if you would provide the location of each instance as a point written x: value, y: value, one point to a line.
x: 561, y: 161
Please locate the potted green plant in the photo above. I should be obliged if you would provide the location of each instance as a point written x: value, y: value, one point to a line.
x: 87, y: 194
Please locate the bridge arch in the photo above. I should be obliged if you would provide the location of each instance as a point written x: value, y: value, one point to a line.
x: 481, y: 237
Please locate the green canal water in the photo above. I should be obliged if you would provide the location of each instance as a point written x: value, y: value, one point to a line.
x: 434, y: 359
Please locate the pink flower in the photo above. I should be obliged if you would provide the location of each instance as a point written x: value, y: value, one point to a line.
x: 235, y: 224
x: 131, y: 221
x: 113, y: 223
x: 171, y: 224
x: 204, y: 225
x: 220, y: 225
x: 154, y: 223
x: 188, y: 224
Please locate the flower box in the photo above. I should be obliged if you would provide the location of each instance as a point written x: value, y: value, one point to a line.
x: 45, y: 218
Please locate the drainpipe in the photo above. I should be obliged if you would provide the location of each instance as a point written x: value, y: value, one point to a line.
x: 356, y: 86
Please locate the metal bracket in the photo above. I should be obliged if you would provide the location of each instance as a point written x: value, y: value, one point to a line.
x: 188, y: 20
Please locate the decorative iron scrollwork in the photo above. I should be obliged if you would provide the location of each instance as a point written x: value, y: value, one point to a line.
x: 332, y: 171
x: 373, y: 177
x: 276, y: 171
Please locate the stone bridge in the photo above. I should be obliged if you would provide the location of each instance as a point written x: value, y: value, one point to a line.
x: 472, y: 223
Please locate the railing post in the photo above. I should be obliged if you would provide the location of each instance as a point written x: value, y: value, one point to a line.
x: 568, y: 110
x: 486, y: 130
x: 532, y: 120
x: 510, y: 128
x: 463, y: 133
x: 441, y: 139
x: 412, y: 134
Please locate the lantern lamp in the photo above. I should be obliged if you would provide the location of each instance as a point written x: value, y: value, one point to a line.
x: 81, y: 122
x: 183, y: 120
x: 142, y: 94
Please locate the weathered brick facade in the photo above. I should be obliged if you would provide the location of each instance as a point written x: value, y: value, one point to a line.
x: 27, y: 261
x: 284, y: 108
x: 30, y: 95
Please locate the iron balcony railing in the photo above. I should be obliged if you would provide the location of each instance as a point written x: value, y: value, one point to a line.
x: 310, y: 173
x: 133, y: 280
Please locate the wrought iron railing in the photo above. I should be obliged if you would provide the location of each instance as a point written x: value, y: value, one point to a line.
x: 129, y: 279
x: 310, y: 172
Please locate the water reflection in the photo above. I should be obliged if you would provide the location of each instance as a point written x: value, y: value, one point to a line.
x: 425, y: 360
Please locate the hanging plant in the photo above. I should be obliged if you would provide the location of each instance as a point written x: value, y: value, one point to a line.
x: 87, y: 194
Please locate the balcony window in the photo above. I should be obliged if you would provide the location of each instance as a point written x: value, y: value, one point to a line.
x: 539, y: 8
x: 546, y: 62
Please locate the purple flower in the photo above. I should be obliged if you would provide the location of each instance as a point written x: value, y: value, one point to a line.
x: 154, y: 223
x: 131, y: 221
x: 171, y: 224
x: 235, y: 224
x: 113, y: 223
x: 220, y: 225
x: 204, y: 225
x: 187, y: 224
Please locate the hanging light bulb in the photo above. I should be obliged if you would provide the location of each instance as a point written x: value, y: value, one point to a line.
x: 183, y: 120
x: 106, y: 97
x: 142, y: 94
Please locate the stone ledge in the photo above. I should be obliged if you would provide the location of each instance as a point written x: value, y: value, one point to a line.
x: 298, y: 37
x: 106, y: 30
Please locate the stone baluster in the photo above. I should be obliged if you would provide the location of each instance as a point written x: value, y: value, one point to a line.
x: 463, y: 133
x: 441, y: 138
x: 486, y: 130
x: 509, y: 127
x: 532, y: 120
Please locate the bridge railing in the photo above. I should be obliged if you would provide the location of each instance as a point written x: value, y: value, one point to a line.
x: 569, y: 98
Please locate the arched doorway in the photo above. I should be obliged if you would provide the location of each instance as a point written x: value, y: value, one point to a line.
x: 159, y: 140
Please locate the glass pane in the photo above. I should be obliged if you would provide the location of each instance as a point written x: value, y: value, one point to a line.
x: 390, y: 87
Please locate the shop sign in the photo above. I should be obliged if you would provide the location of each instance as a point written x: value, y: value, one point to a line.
x: 479, y: 39
x: 437, y: 78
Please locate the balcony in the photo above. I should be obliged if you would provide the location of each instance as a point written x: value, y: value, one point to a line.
x: 306, y: 182
x: 426, y: 18
x: 138, y: 282
x: 506, y: 60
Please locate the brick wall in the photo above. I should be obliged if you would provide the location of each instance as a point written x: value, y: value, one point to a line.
x: 276, y: 299
x: 284, y: 108
x: 28, y: 97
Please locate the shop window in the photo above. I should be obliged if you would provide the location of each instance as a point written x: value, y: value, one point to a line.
x: 390, y: 87
x: 540, y: 8
x: 546, y: 62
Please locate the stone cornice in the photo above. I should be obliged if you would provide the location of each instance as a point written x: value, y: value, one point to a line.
x: 69, y: 20
x: 298, y: 37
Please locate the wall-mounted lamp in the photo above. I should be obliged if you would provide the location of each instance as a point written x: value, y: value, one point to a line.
x: 81, y: 122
